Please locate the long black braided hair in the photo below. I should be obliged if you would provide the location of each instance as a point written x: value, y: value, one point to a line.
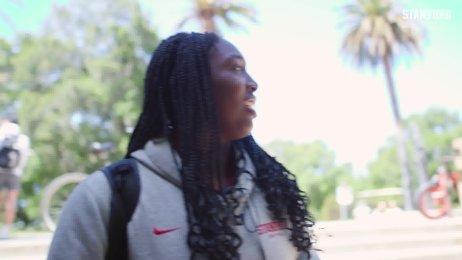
x: 179, y: 105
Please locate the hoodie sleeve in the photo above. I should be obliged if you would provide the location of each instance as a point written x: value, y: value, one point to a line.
x: 82, y: 228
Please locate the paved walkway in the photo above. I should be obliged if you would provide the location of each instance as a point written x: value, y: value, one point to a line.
x: 25, y: 246
x: 34, y: 245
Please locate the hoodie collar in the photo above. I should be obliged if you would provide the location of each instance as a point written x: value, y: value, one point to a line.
x: 162, y: 159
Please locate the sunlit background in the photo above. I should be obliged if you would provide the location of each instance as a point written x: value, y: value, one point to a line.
x: 307, y: 90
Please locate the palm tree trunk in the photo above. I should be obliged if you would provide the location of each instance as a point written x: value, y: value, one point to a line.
x: 401, y: 140
x: 420, y: 157
x: 207, y: 22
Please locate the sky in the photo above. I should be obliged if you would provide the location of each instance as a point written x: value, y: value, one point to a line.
x: 307, y: 90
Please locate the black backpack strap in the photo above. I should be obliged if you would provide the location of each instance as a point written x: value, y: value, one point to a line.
x: 124, y: 180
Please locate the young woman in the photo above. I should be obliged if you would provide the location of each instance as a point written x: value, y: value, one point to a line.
x: 210, y: 191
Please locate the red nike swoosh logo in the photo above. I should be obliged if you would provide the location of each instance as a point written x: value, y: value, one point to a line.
x: 163, y: 231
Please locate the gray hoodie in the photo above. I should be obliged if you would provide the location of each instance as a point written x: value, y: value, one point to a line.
x: 158, y: 228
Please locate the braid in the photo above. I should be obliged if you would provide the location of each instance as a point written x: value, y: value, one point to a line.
x: 179, y: 105
x: 282, y: 194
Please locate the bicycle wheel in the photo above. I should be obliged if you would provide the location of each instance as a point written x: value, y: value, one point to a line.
x: 56, y: 194
x: 434, y: 202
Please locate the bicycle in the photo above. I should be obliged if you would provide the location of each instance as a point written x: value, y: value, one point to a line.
x: 59, y: 189
x: 434, y: 198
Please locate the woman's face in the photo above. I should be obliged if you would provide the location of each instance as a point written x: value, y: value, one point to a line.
x: 233, y: 89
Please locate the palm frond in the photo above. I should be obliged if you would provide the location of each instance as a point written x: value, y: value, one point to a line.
x: 229, y: 21
x: 225, y: 10
x: 244, y: 11
x: 183, y: 22
x: 377, y: 30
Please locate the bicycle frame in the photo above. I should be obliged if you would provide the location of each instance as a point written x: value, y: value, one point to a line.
x: 57, y: 191
x: 437, y: 193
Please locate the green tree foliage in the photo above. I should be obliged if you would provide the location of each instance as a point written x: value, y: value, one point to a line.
x: 438, y: 129
x: 80, y: 81
x: 317, y: 173
x: 384, y: 172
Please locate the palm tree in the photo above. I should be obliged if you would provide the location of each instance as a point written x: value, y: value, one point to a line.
x: 378, y: 34
x: 209, y: 11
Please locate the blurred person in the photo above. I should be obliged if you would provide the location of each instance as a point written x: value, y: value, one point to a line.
x: 208, y: 190
x: 14, y: 151
x: 457, y: 153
